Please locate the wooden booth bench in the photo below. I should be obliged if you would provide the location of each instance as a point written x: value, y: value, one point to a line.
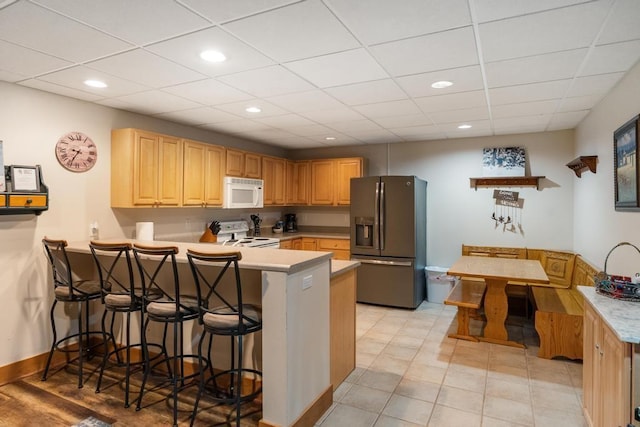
x: 467, y: 295
x: 558, y: 305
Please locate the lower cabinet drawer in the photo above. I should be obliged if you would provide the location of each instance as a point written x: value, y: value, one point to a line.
x: 333, y: 244
x: 26, y: 201
x: 3, y: 200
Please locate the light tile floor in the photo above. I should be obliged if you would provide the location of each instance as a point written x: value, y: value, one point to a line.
x: 409, y: 373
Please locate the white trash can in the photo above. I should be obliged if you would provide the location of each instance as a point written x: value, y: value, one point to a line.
x: 439, y: 283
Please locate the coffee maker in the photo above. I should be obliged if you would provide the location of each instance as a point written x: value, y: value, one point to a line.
x: 290, y: 223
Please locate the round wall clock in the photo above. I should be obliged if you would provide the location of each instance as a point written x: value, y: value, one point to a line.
x: 76, y: 152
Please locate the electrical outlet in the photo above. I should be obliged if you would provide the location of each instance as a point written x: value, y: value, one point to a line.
x: 307, y: 282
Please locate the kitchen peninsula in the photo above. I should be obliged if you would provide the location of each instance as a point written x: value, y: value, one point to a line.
x: 294, y: 294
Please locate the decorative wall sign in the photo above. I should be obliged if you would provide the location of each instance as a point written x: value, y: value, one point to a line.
x: 625, y: 162
x: 508, y: 211
x: 504, y: 161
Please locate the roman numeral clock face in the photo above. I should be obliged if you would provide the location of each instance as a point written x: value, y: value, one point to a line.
x: 76, y: 152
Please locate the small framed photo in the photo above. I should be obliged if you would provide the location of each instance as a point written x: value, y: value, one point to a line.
x: 25, y: 178
x: 625, y: 166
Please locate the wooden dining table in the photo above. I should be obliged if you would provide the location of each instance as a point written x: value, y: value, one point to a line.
x: 497, y: 272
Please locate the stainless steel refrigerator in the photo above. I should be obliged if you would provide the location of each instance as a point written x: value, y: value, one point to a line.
x: 388, y: 224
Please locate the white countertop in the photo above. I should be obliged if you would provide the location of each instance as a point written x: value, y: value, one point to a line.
x: 339, y: 266
x: 289, y: 261
x: 623, y: 317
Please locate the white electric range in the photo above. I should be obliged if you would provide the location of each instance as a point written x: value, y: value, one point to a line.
x: 234, y: 233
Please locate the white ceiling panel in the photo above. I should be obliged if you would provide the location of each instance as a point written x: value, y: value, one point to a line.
x: 37, y: 28
x: 185, y: 50
x: 464, y: 79
x: 337, y: 69
x: 301, y: 30
x: 139, y: 22
x: 268, y: 81
x: 542, y: 32
x: 208, y: 92
x: 368, y: 92
x: 534, y: 69
x: 141, y: 66
x: 377, y: 21
x: 440, y: 51
x: 358, y: 69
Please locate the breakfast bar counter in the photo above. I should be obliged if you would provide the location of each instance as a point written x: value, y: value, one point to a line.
x: 294, y: 293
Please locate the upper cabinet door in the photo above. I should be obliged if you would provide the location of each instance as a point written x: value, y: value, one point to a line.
x: 322, y: 182
x: 194, y: 174
x: 252, y: 165
x: 145, y: 169
x: 345, y: 170
x: 170, y: 171
x: 214, y: 167
x: 235, y: 163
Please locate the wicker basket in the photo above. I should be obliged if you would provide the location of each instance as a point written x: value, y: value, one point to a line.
x: 618, y: 287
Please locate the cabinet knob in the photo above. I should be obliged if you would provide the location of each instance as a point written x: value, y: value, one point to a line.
x: 29, y: 201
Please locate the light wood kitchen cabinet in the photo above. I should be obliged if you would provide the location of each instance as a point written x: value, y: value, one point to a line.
x: 308, y: 244
x: 203, y: 173
x: 243, y: 164
x: 606, y: 373
x: 339, y: 247
x: 297, y: 188
x: 331, y: 180
x: 342, y: 325
x: 296, y: 244
x: 273, y: 174
x: 146, y: 169
x: 286, y: 244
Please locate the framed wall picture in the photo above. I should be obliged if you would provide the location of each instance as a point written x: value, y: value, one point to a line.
x: 503, y: 161
x: 25, y: 178
x: 625, y: 166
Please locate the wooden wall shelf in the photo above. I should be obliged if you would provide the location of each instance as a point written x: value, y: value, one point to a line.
x: 500, y: 181
x: 583, y: 163
x: 24, y: 202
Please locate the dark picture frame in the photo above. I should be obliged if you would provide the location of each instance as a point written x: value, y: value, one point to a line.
x: 25, y: 179
x: 625, y: 166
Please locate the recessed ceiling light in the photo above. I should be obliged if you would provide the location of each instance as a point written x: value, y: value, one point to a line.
x: 95, y: 83
x: 330, y: 138
x: 464, y: 127
x: 441, y: 84
x: 213, y: 56
x: 252, y: 110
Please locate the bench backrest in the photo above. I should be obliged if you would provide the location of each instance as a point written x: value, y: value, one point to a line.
x: 494, y: 251
x: 583, y: 273
x: 557, y: 264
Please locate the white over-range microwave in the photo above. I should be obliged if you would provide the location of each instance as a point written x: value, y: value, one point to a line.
x: 242, y: 193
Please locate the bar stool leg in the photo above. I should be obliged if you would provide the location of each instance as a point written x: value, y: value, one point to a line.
x: 55, y: 339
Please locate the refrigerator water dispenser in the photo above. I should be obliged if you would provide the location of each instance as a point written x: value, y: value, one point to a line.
x: 364, y: 232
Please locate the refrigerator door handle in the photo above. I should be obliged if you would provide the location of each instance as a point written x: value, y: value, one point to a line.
x: 381, y: 213
x: 376, y: 219
x: 382, y: 262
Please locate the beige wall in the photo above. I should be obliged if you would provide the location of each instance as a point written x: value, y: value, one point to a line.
x: 597, y: 226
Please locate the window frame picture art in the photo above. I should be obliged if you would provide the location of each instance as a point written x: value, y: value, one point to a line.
x: 625, y: 166
x: 503, y: 161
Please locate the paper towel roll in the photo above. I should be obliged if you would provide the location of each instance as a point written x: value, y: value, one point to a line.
x: 144, y: 231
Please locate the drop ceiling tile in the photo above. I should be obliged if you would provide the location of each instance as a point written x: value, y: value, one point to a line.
x: 468, y: 133
x: 131, y: 20
x: 535, y: 123
x: 269, y: 81
x: 622, y: 25
x: 388, y: 109
x: 374, y: 136
x: 306, y: 101
x: 285, y: 121
x: 542, y: 32
x: 7, y: 76
x: 452, y: 101
x: 355, y: 126
x: 266, y: 134
x: 574, y: 117
x: 26, y: 62
x: 238, y: 108
x: 297, y: 143
x: 612, y: 58
x: 412, y: 131
x: 579, y: 103
x: 461, y: 115
x: 408, y: 120
x: 74, y: 77
x: 591, y: 85
x: 224, y: 10
x: 301, y: 30
x: 199, y: 116
x: 32, y: 26
x: 528, y: 93
x: 311, y: 130
x: 478, y: 127
x: 340, y: 140
x: 534, y: 69
x: 208, y: 92
x: 333, y: 115
x: 368, y: 92
x: 145, y: 68
x: 490, y: 10
x: 370, y: 20
x: 185, y: 50
x: 156, y: 102
x: 464, y: 79
x: 440, y: 51
x: 540, y: 127
x: 525, y: 109
x: 60, y: 90
x: 237, y: 126
x: 340, y: 68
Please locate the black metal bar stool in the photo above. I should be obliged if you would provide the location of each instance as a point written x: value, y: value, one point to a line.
x: 165, y: 305
x: 68, y: 289
x: 222, y: 312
